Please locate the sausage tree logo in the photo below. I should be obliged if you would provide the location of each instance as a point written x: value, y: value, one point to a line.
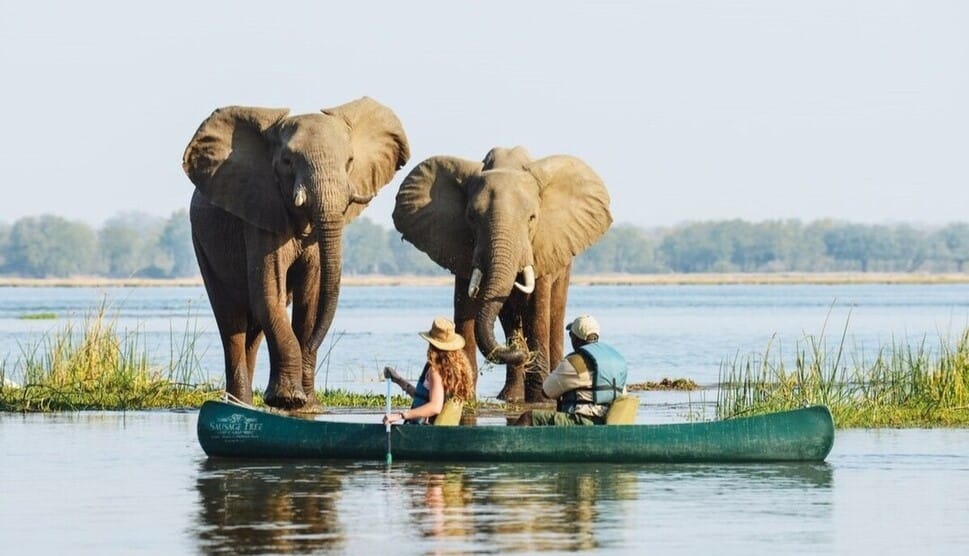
x: 236, y: 426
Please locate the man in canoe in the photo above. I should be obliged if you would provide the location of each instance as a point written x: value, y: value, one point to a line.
x: 447, y: 374
x: 585, y: 383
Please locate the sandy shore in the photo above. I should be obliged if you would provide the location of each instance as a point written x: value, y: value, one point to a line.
x: 599, y: 279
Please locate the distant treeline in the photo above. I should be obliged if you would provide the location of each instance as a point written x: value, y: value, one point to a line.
x: 140, y: 245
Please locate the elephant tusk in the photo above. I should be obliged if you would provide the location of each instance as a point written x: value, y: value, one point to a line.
x: 475, y: 283
x: 529, y: 285
x: 299, y: 195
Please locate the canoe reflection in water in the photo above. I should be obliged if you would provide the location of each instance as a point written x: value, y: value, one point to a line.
x: 315, y: 506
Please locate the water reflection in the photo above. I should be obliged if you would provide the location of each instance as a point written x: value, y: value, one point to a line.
x: 301, y: 507
x: 256, y: 508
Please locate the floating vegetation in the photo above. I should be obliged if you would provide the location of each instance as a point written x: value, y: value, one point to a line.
x: 900, y: 386
x: 680, y: 384
x: 98, y: 367
x: 38, y: 316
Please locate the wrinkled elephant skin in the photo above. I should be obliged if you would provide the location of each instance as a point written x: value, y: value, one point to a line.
x: 508, y: 228
x: 273, y: 194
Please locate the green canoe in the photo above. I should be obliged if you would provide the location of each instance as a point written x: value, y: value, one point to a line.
x: 229, y: 430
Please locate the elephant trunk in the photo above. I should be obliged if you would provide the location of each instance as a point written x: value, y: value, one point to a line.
x: 330, y: 237
x: 498, y: 284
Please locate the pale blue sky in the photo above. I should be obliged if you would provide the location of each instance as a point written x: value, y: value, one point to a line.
x: 760, y: 109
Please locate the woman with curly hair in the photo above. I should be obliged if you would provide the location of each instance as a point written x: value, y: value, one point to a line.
x: 446, y: 375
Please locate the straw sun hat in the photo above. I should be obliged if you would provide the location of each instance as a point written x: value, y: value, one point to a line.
x: 442, y: 335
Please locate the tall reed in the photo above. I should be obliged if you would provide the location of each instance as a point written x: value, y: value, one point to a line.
x: 901, y: 385
x: 97, y: 367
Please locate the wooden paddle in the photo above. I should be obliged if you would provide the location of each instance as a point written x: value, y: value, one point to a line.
x: 389, y: 457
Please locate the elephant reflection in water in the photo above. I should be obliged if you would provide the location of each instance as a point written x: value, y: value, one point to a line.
x: 268, y: 509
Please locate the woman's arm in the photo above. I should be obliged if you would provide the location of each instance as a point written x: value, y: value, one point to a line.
x: 436, y: 403
x: 407, y: 387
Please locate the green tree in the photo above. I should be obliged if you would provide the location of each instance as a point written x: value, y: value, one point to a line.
x: 49, y: 245
x: 365, y: 249
x: 175, y: 242
x: 623, y: 248
x: 697, y: 247
x: 129, y: 245
x: 855, y: 243
x: 955, y: 240
x: 907, y: 247
x: 4, y: 245
x: 408, y: 259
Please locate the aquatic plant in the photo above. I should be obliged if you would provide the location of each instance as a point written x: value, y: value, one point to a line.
x: 901, y: 385
x: 38, y: 316
x: 98, y: 367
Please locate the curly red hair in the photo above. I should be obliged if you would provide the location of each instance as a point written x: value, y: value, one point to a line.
x: 455, y: 370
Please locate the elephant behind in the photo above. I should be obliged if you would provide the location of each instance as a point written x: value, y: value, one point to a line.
x: 273, y: 194
x: 508, y: 229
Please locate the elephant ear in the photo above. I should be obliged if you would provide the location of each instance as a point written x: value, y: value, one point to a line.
x: 430, y: 210
x: 380, y: 147
x: 230, y: 162
x: 574, y: 210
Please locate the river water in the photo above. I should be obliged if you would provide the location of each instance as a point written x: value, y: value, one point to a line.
x: 138, y: 482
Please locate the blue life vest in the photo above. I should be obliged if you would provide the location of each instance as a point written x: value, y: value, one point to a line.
x: 421, y: 394
x: 608, y: 369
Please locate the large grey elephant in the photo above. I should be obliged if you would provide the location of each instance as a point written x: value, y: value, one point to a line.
x: 273, y: 194
x: 508, y: 228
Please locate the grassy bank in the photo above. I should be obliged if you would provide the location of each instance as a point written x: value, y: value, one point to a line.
x: 96, y: 366
x: 898, y: 386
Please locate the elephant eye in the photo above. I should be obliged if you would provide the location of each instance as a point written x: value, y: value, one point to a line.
x: 349, y: 164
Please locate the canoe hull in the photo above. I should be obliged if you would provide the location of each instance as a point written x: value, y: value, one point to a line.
x: 227, y: 430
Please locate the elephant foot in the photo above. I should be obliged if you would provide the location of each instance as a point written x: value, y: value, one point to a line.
x: 311, y: 407
x: 285, y: 398
x: 532, y: 397
x: 242, y: 396
x: 512, y: 393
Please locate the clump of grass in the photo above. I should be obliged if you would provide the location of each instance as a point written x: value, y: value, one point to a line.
x: 680, y: 384
x: 344, y: 398
x: 901, y: 386
x: 97, y: 367
x: 38, y: 316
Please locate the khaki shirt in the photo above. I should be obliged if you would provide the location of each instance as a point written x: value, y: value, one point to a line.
x: 564, y: 378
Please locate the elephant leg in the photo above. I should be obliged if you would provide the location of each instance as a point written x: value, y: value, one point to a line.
x: 232, y: 330
x: 238, y: 381
x: 231, y: 317
x: 306, y: 292
x: 557, y: 302
x: 510, y: 317
x: 267, y: 297
x: 253, y: 339
x: 285, y: 389
x: 464, y: 313
x: 537, y: 333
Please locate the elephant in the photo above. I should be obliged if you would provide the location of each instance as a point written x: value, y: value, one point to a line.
x: 273, y: 193
x: 508, y: 229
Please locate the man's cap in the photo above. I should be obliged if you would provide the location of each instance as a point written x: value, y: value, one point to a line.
x: 583, y: 327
